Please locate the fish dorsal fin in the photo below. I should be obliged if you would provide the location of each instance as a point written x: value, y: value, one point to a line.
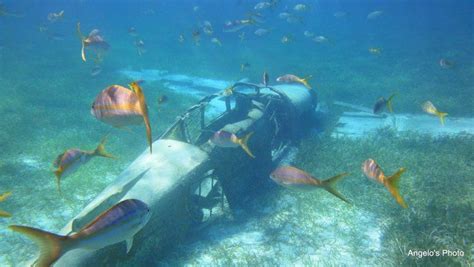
x: 129, y: 243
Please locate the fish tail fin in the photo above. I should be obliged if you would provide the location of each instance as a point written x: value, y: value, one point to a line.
x: 243, y: 142
x: 4, y: 196
x: 391, y: 183
x: 389, y: 103
x: 4, y: 214
x: 441, y: 116
x: 329, y: 185
x: 83, y: 52
x: 305, y: 82
x: 144, y: 110
x: 148, y: 131
x: 51, y: 246
x: 82, y: 37
x: 100, y: 150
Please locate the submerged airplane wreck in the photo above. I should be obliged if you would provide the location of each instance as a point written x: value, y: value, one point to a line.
x: 188, y: 181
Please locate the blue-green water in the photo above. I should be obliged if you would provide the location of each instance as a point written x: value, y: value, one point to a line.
x: 47, y: 91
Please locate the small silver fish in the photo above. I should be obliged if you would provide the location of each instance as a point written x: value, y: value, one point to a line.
x: 375, y: 14
x: 261, y: 32
x: 262, y: 5
x: 308, y: 34
x: 446, y: 64
x: 284, y: 15
x: 320, y: 39
x: 300, y: 7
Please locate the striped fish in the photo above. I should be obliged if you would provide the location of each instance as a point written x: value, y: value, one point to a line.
x: 373, y: 171
x: 227, y: 139
x: 94, y: 39
x: 69, y: 161
x: 119, y: 223
x: 382, y: 102
x: 290, y: 78
x: 120, y: 107
x: 3, y: 197
x: 429, y: 108
x: 295, y: 178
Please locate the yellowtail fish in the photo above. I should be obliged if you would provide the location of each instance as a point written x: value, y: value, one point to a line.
x: 381, y: 102
x: 320, y: 39
x: 226, y: 139
x: 181, y: 38
x: 295, y: 178
x: 429, y: 108
x: 308, y: 34
x: 284, y: 15
x: 446, y: 64
x: 120, y: 107
x: 228, y: 91
x: 262, y: 5
x: 290, y: 78
x: 53, y: 17
x: 285, y: 39
x: 375, y: 14
x: 300, y: 7
x: 373, y: 171
x: 69, y: 161
x: 216, y: 41
x: 261, y: 32
x: 207, y: 28
x: 375, y: 50
x: 237, y: 25
x: 94, y: 39
x: 42, y: 28
x: 117, y: 224
x: 3, y: 197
